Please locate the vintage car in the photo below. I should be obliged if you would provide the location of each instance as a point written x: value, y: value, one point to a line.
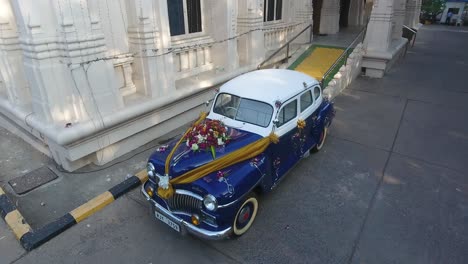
x: 260, y: 125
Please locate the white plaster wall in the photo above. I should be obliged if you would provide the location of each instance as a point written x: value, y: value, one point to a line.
x: 111, y: 70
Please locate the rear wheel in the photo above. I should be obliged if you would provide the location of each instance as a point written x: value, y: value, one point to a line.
x: 321, y: 142
x: 245, y: 216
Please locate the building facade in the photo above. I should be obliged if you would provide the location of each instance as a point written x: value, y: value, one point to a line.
x: 88, y: 81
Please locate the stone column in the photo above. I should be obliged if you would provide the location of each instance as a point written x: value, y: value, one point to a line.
x: 220, y: 22
x: 71, y: 79
x: 380, y: 28
x: 330, y: 17
x: 11, y: 59
x: 410, y: 12
x: 252, y: 44
x: 399, y: 18
x: 303, y: 14
x: 413, y: 9
x: 356, y: 13
x: 150, y: 41
x: 383, y: 46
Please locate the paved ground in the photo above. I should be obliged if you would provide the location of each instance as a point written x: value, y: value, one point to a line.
x: 390, y: 186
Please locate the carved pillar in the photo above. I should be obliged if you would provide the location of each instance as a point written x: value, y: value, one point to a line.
x: 252, y: 44
x: 64, y: 58
x: 12, y: 75
x: 232, y: 52
x: 413, y: 8
x: 398, y: 18
x: 382, y: 45
x: 380, y: 27
x: 356, y: 13
x: 303, y: 14
x: 150, y: 40
x: 330, y: 17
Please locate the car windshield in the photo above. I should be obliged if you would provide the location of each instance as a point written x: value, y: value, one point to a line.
x: 244, y: 110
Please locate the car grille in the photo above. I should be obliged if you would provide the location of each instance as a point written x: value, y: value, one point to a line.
x: 185, y: 202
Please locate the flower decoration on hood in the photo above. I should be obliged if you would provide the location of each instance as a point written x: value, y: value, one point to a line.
x: 208, y: 135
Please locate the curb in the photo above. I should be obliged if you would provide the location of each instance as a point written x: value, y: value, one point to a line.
x: 31, y: 239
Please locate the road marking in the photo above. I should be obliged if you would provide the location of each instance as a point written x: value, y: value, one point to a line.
x: 92, y: 206
x: 142, y: 175
x: 17, y: 223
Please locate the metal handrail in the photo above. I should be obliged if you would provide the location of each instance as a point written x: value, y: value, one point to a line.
x: 414, y: 32
x: 287, y: 46
x: 345, y: 53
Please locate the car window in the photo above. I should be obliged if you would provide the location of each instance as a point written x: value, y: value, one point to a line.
x: 288, y: 112
x: 316, y: 92
x: 244, y: 110
x: 306, y: 100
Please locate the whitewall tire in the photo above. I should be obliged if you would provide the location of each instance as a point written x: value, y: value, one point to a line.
x: 323, y: 137
x: 245, y: 216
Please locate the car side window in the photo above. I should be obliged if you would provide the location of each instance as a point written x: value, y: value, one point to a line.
x: 316, y: 92
x: 306, y: 100
x: 288, y: 112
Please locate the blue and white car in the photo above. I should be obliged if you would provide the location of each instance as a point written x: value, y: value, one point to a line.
x: 224, y: 203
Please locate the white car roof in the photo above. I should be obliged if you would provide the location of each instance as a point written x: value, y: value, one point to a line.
x: 268, y: 85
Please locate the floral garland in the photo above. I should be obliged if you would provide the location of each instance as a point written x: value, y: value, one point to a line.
x: 208, y: 135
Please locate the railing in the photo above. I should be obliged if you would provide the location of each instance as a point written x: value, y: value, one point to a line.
x: 410, y: 34
x: 286, y: 45
x: 344, y: 55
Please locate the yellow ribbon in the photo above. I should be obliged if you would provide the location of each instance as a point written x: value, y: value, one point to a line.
x: 247, y: 152
x: 169, y: 157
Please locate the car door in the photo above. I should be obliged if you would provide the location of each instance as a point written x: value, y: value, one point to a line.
x: 315, y: 118
x: 282, y: 156
x: 303, y: 141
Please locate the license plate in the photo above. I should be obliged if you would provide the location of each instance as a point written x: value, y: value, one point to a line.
x: 167, y: 221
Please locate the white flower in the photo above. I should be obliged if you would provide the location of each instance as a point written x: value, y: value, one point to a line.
x: 194, y: 147
x: 200, y: 138
x: 187, y: 143
x: 164, y: 182
x: 220, y: 141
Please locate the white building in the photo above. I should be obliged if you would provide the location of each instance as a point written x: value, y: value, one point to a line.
x: 88, y: 81
x: 457, y: 8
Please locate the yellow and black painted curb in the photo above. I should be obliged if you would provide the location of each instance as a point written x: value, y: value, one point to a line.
x: 31, y: 239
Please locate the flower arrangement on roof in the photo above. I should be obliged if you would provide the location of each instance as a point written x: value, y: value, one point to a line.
x: 207, y: 136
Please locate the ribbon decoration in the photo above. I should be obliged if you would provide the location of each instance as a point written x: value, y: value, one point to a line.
x: 247, y: 152
x: 202, y: 117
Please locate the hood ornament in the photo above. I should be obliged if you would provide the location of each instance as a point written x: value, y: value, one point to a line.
x: 163, y: 181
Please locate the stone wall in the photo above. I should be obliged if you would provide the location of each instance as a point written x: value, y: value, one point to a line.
x: 346, y: 74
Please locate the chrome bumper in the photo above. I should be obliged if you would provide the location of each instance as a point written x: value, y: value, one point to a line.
x: 185, y: 226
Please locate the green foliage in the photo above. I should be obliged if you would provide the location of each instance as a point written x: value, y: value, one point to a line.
x: 431, y: 8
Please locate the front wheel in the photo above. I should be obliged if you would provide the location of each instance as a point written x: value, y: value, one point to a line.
x: 321, y: 142
x: 245, y: 216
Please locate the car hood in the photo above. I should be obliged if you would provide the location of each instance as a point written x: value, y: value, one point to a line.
x: 184, y: 159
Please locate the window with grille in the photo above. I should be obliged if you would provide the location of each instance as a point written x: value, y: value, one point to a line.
x: 272, y: 10
x: 184, y: 16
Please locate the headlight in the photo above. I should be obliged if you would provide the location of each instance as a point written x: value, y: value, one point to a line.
x: 210, y: 202
x: 150, y: 169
